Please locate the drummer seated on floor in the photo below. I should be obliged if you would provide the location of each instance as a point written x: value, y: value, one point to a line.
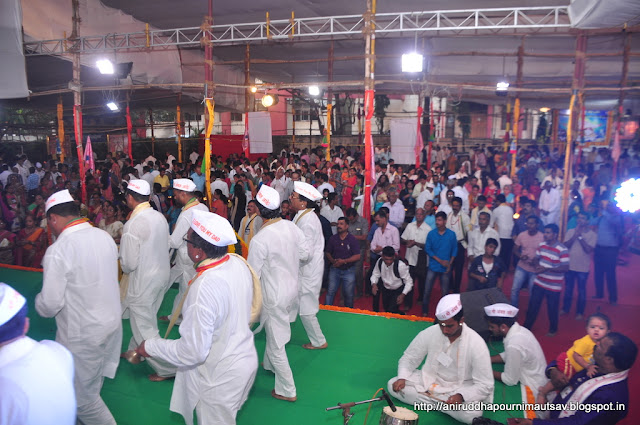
x: 457, y: 368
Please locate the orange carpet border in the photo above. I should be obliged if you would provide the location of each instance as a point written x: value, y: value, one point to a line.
x: 375, y: 313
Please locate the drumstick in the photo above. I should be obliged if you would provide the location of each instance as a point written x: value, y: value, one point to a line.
x: 428, y: 394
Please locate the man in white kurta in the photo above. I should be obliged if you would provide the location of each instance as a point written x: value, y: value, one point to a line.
x: 523, y: 358
x: 145, y: 258
x: 275, y: 254
x: 310, y: 279
x: 182, y: 271
x: 457, y: 368
x: 478, y: 237
x: 80, y: 289
x: 36, y: 378
x: 215, y: 354
x: 549, y: 205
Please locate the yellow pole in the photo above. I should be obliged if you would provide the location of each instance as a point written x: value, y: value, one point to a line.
x: 329, y: 108
x: 507, y: 128
x: 516, y: 119
x: 268, y: 24
x: 179, y: 131
x: 293, y: 126
x: 61, y: 129
x: 567, y: 171
x: 207, y: 149
x: 146, y: 31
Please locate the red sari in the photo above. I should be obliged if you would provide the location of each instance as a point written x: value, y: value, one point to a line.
x: 32, y: 253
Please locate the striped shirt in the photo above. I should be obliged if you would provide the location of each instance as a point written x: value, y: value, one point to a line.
x: 551, y: 256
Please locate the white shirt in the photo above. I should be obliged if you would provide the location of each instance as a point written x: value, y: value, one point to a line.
x: 80, y: 280
x: 215, y: 353
x: 413, y: 232
x: 463, y: 194
x: 275, y: 253
x: 149, y: 178
x: 396, y: 213
x: 389, y: 279
x: 332, y: 215
x: 36, y: 384
x: 524, y: 360
x: 194, y: 157
x: 477, y: 240
x: 460, y: 226
x: 311, y: 270
x: 504, y: 180
x: 220, y: 184
x: 503, y: 220
x: 150, y: 158
x: 470, y: 363
x: 144, y: 256
x: 425, y: 195
x: 4, y: 176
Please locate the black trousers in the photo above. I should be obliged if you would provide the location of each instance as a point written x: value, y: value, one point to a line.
x: 506, y: 250
x: 457, y: 268
x: 605, y: 266
x: 376, y: 298
x: 390, y: 298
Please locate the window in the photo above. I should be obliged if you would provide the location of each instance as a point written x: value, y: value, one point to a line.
x: 236, y: 116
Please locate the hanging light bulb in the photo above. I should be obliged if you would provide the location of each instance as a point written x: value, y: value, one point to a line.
x: 105, y: 66
x: 412, y: 62
x: 269, y: 100
x: 314, y: 90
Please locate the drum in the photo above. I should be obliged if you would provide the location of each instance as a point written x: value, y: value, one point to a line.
x: 402, y: 416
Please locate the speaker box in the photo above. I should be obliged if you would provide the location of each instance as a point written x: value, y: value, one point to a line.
x: 473, y: 304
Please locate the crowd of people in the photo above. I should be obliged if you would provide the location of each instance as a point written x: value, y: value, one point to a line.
x: 464, y: 221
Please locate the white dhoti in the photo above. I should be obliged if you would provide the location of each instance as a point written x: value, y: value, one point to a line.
x: 410, y: 395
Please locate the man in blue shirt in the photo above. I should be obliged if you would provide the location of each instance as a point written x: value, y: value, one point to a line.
x: 199, y: 179
x: 441, y: 247
x: 610, y: 228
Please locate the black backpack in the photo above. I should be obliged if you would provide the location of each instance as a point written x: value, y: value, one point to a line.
x: 396, y: 265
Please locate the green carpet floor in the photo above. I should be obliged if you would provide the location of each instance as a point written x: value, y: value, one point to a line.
x: 362, y: 356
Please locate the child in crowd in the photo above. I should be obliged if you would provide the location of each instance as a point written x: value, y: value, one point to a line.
x: 580, y: 355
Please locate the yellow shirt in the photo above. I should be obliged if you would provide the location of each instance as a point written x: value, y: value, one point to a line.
x: 163, y: 180
x: 584, y: 347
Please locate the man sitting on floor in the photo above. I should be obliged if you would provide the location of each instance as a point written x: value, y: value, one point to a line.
x: 457, y: 369
x: 523, y: 358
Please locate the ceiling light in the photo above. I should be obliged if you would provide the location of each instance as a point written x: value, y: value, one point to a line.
x: 112, y: 106
x: 105, y: 66
x: 502, y: 86
x: 253, y: 89
x: 544, y: 109
x: 412, y: 62
x: 314, y: 90
x: 269, y: 100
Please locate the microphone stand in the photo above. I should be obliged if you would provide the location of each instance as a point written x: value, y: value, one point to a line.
x: 346, y: 412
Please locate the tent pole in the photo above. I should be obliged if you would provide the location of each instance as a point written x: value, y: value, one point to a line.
x: 623, y: 83
x: 61, y: 128
x: 577, y: 86
x: 369, y: 87
x: 153, y: 136
x: 179, y: 127
x: 77, y: 99
x: 209, y: 102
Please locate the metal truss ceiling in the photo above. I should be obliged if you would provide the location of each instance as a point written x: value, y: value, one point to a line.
x: 478, y: 21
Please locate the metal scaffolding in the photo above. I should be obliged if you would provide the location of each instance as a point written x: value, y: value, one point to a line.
x: 526, y: 20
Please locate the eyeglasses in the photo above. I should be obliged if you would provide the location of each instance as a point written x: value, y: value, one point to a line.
x: 188, y: 241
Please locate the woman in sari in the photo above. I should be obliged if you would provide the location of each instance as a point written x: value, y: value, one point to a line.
x: 238, y: 209
x: 37, y: 209
x: 349, y: 184
x: 219, y: 204
x: 380, y: 191
x: 110, y: 222
x: 31, y: 244
x: 7, y: 242
x: 491, y: 190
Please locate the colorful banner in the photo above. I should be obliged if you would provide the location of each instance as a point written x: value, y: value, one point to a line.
x: 88, y: 156
x: 595, y: 129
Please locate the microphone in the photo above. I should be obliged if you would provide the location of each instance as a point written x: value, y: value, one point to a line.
x: 389, y: 402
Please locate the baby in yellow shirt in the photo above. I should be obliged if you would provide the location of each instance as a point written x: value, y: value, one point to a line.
x: 580, y: 355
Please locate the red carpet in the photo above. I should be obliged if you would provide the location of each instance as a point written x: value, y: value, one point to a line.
x: 623, y: 318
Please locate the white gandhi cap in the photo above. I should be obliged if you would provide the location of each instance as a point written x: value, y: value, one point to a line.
x: 61, y: 197
x: 11, y: 302
x: 139, y: 186
x: 501, y: 310
x: 268, y: 197
x: 306, y: 190
x: 185, y: 185
x: 213, y: 228
x: 448, y: 306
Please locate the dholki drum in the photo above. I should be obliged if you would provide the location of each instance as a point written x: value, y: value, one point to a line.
x: 402, y: 416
